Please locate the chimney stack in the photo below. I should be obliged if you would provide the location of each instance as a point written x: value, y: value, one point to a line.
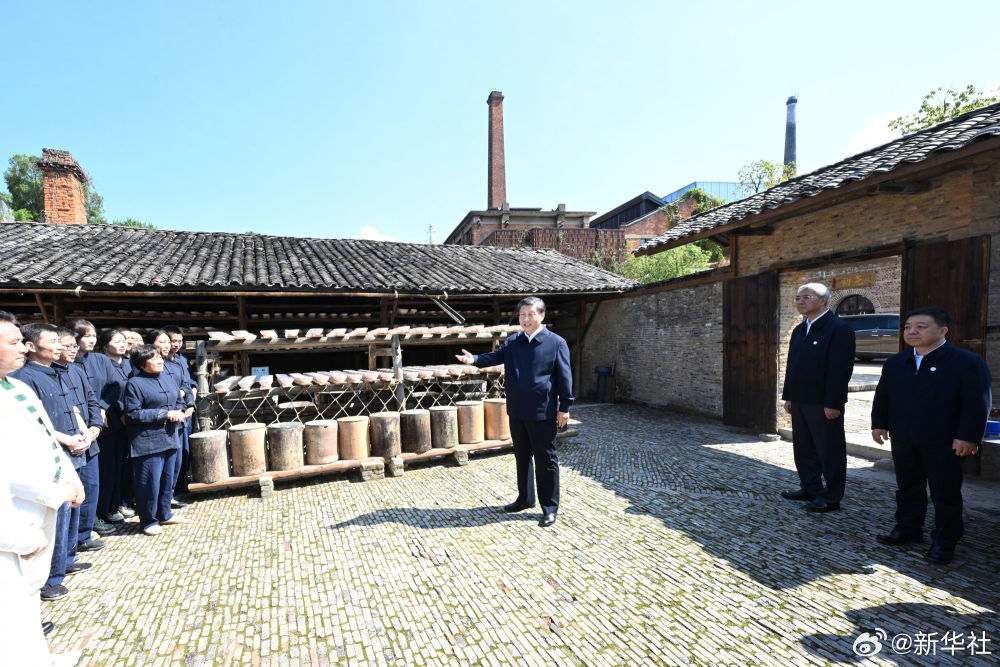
x: 790, y: 134
x: 63, y: 180
x: 496, y: 183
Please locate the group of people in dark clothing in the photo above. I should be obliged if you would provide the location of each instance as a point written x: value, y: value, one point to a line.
x: 932, y: 403
x: 121, y: 404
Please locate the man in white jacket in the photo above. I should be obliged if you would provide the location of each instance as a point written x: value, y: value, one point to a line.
x: 36, y: 478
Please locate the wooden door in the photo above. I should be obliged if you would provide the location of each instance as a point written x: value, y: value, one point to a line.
x: 951, y: 275
x: 750, y: 352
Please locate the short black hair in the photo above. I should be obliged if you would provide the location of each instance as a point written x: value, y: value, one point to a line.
x: 532, y: 301
x: 80, y: 327
x: 63, y: 332
x: 105, y: 337
x: 172, y: 329
x: 8, y: 317
x: 153, y: 334
x: 140, y: 354
x: 941, y: 317
x: 33, y: 332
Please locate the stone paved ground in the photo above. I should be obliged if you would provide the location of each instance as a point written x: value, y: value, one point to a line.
x: 672, y: 548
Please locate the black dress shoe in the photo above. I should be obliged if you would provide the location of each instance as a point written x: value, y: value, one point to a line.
x: 797, y: 495
x: 547, y: 519
x: 48, y: 627
x: 821, y: 506
x: 517, y: 507
x: 939, y: 553
x: 899, y: 537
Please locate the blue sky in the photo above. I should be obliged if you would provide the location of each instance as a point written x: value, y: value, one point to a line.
x: 335, y: 119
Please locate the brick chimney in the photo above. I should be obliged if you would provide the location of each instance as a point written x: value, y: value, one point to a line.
x: 496, y: 183
x: 789, y: 161
x: 63, y: 179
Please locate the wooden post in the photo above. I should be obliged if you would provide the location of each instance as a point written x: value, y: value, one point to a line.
x: 372, y: 358
x: 243, y: 365
x: 203, y: 405
x: 58, y: 308
x: 397, y: 370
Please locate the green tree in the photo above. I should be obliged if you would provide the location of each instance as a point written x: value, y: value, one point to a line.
x: 131, y: 222
x: 24, y: 185
x: 706, y: 202
x: 763, y: 174
x: 940, y: 105
x: 671, y: 263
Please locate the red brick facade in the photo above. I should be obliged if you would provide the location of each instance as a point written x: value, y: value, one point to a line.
x: 496, y: 178
x: 63, y: 179
x: 595, y: 246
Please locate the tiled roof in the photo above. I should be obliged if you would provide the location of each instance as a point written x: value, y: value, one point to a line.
x: 108, y: 256
x: 948, y: 136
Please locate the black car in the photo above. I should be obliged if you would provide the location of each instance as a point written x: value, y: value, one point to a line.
x: 876, y: 336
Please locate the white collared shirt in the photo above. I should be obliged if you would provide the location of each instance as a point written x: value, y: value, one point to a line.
x: 920, y: 357
x: 531, y: 337
x: 809, y: 323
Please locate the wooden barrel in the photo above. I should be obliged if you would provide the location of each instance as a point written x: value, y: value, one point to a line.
x: 385, y: 435
x: 209, y: 458
x: 470, y: 422
x: 415, y: 430
x: 321, y: 441
x: 497, y: 426
x: 352, y: 436
x: 285, y: 440
x: 248, y: 448
x: 444, y: 426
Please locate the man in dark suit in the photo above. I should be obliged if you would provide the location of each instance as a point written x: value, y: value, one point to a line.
x: 820, y: 363
x: 933, y: 402
x: 539, y: 395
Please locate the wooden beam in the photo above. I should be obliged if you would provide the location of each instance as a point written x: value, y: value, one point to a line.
x: 41, y: 307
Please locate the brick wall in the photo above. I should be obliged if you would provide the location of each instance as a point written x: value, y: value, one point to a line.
x: 666, y: 348
x: 583, y: 244
x: 65, y: 202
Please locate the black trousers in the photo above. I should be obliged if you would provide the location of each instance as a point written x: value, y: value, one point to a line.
x: 112, y: 457
x: 917, y: 467
x: 535, y: 455
x: 820, y: 450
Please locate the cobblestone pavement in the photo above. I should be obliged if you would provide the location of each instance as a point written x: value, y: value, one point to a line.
x: 672, y: 548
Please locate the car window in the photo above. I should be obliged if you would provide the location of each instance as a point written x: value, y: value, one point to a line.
x: 892, y: 322
x: 863, y: 323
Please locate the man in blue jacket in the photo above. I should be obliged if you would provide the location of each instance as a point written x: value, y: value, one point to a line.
x: 539, y: 385
x: 933, y: 401
x: 820, y: 363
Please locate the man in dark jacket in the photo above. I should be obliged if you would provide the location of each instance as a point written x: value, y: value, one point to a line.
x: 933, y: 402
x: 539, y: 387
x: 820, y: 363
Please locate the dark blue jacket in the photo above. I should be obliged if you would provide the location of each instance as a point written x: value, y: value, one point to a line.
x: 177, y: 371
x: 539, y: 381
x: 948, y: 398
x: 60, y: 389
x: 820, y: 365
x: 186, y: 365
x: 110, y: 378
x: 148, y: 398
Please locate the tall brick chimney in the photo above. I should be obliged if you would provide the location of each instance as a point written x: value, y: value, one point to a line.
x: 496, y: 183
x: 63, y: 179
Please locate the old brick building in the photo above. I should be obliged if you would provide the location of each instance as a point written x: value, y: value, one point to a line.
x: 914, y: 222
